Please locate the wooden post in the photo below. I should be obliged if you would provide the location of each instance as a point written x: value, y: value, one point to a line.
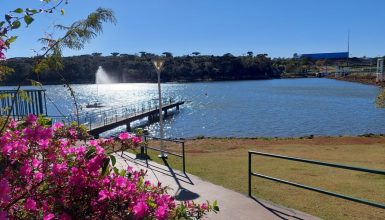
x: 128, y: 126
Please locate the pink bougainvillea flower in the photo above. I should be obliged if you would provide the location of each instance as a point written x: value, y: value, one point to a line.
x: 124, y: 136
x: 38, y: 177
x: 136, y: 140
x: 30, y: 204
x: 59, y: 168
x: 121, y: 182
x: 2, y: 48
x: 3, y: 215
x: 47, y: 174
x: 25, y: 169
x: 31, y: 119
x: 48, y: 216
x: 140, y: 210
x: 103, y: 194
x: 161, y: 213
x: 64, y: 216
x: 4, y: 190
x: 204, y: 206
x: 43, y: 144
x: 56, y: 126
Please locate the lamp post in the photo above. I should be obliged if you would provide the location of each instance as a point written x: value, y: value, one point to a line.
x: 158, y: 64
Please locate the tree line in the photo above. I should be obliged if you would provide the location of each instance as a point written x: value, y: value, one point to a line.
x: 127, y: 68
x: 139, y: 68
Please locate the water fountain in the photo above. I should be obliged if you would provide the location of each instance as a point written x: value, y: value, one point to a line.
x: 101, y: 77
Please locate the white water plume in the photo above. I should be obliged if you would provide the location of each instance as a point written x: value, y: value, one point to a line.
x: 102, y: 77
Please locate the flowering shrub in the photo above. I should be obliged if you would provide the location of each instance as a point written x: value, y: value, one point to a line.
x: 46, y: 173
x: 2, y: 49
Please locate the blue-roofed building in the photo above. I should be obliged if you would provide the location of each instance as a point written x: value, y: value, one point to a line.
x: 318, y: 56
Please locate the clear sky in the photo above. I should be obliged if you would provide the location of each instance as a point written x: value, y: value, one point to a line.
x: 276, y: 27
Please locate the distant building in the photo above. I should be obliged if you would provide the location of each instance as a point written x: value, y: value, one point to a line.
x: 318, y: 56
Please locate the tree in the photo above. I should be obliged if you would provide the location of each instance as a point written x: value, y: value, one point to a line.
x: 195, y: 53
x: 250, y: 53
x: 167, y: 54
x: 96, y: 54
x: 114, y: 54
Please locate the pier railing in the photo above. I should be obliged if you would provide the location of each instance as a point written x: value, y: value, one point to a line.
x: 178, y: 142
x: 320, y: 163
x: 103, y: 116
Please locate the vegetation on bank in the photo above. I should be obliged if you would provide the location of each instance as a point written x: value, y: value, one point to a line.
x: 229, y: 169
x: 134, y: 68
x: 189, y: 68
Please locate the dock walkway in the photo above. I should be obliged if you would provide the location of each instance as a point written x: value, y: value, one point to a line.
x: 111, y: 121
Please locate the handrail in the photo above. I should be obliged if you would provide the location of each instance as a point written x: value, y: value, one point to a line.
x: 105, y: 116
x: 319, y: 190
x: 183, y: 156
x: 165, y: 139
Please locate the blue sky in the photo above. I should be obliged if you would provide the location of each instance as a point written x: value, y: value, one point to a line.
x: 276, y: 27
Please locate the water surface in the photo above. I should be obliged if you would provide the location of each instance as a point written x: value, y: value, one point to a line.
x: 263, y: 108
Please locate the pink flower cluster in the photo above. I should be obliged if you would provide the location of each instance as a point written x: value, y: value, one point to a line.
x: 3, y: 47
x: 45, y: 173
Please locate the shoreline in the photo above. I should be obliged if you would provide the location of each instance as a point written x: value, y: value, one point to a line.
x: 358, y: 79
x: 367, y: 135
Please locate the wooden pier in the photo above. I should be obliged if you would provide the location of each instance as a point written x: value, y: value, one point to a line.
x: 113, y: 120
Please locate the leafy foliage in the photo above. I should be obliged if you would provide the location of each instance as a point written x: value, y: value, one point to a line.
x: 139, y: 68
x: 44, y: 174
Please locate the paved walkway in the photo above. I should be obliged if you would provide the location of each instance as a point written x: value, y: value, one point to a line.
x: 232, y: 205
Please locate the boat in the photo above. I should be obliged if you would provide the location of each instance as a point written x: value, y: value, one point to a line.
x: 96, y: 104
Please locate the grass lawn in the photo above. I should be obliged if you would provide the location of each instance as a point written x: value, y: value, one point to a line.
x: 224, y: 162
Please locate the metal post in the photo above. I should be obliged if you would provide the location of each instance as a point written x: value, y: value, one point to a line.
x: 158, y: 67
x: 249, y: 174
x: 162, y: 155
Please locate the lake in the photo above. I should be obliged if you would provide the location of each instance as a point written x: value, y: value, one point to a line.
x: 261, y: 108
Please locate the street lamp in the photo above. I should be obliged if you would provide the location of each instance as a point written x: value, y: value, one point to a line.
x: 158, y: 64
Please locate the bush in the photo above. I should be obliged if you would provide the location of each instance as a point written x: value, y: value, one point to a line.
x: 45, y: 173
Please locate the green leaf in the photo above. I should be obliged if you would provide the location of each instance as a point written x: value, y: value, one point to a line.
x: 123, y: 172
x: 90, y: 153
x: 36, y: 83
x: 105, y: 169
x: 19, y: 10
x: 28, y: 19
x: 116, y: 171
x: 8, y: 18
x: 2, y: 23
x: 15, y: 25
x: 33, y: 11
x: 10, y: 40
x: 62, y: 12
x: 215, y: 205
x: 113, y: 160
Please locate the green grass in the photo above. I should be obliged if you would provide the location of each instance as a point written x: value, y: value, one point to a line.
x: 224, y: 162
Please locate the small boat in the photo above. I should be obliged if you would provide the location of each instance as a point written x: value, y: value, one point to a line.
x: 96, y: 104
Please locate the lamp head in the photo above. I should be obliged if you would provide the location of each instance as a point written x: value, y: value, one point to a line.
x: 158, y: 63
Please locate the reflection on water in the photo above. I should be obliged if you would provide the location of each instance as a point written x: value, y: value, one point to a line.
x: 270, y: 108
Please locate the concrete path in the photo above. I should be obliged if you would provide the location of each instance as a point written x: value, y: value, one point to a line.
x: 232, y: 205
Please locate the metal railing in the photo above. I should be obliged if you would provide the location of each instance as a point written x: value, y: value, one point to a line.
x: 103, y: 117
x: 183, y: 155
x: 319, y: 190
